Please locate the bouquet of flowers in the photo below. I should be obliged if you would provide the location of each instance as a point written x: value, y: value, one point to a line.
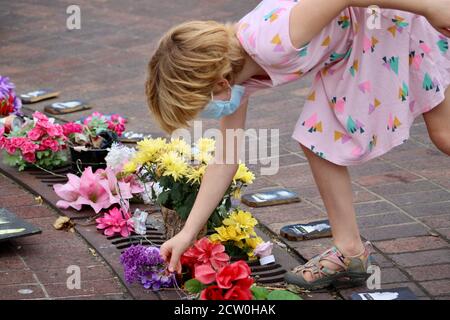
x: 96, y: 131
x: 215, y: 278
x: 9, y: 102
x: 178, y: 169
x: 39, y: 141
x: 237, y: 234
x: 146, y: 266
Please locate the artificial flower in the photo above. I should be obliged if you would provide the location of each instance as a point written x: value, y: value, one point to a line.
x: 205, y: 252
x: 171, y: 164
x: 9, y: 102
x: 240, y: 291
x: 231, y: 273
x: 244, y: 174
x: 205, y: 273
x: 146, y: 266
x: 118, y: 155
x: 212, y: 293
x: 116, y: 221
x: 263, y: 249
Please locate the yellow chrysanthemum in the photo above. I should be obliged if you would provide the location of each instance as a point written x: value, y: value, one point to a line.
x: 149, y: 150
x: 195, y: 175
x: 237, y: 193
x: 129, y: 167
x: 225, y: 234
x: 244, y: 174
x: 206, y: 145
x: 180, y: 146
x: 171, y: 164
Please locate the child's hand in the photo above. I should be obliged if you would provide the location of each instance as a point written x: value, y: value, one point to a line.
x: 173, y: 249
x: 437, y: 13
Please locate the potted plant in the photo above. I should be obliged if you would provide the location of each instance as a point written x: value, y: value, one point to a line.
x: 90, y: 139
x: 37, y: 142
x: 178, y: 169
x: 10, y: 104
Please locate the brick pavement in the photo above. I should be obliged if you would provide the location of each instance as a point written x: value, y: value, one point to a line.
x: 402, y: 198
x: 35, y: 267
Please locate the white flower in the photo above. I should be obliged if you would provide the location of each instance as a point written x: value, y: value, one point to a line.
x: 150, y: 187
x: 118, y: 155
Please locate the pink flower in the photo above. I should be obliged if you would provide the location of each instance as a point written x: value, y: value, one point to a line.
x: 263, y: 249
x: 91, y: 191
x: 39, y: 116
x: 55, y: 130
x: 29, y: 157
x: 51, y: 144
x: 116, y: 190
x: 35, y: 134
x: 28, y: 147
x: 69, y: 192
x: 72, y: 127
x: 116, y: 221
x: 205, y: 274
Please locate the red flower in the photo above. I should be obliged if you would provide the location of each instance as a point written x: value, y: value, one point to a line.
x: 204, y: 252
x: 35, y: 134
x: 240, y: 291
x: 212, y: 293
x: 51, y: 144
x: 205, y: 274
x: 231, y: 273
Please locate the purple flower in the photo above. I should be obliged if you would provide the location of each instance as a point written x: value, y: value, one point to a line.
x: 9, y: 102
x: 145, y: 265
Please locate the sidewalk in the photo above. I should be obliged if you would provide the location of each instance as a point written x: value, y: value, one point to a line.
x: 402, y: 198
x: 35, y: 267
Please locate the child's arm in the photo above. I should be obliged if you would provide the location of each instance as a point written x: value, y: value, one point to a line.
x: 437, y: 12
x: 309, y: 17
x: 215, y: 182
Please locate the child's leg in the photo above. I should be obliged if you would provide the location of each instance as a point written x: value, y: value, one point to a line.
x: 335, y: 188
x: 438, y: 124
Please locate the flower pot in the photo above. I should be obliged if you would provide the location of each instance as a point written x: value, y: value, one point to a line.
x: 173, y: 223
x: 94, y: 158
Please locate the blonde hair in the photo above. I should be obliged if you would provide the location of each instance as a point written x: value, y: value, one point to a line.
x: 190, y: 59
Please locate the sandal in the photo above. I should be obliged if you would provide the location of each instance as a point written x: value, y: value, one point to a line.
x: 353, y: 270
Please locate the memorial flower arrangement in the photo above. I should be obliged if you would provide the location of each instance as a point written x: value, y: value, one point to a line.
x: 146, y: 266
x: 215, y: 278
x: 178, y: 169
x: 97, y: 131
x: 100, y: 190
x: 237, y: 234
x: 9, y: 102
x: 39, y: 141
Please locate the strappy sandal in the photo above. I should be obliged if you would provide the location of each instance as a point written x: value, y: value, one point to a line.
x: 353, y: 270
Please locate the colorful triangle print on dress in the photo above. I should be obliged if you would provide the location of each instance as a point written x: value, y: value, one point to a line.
x: 403, y: 92
x: 354, y: 68
x: 369, y: 44
x: 343, y: 137
x: 274, y: 14
x: 365, y: 87
x: 326, y: 42
x: 338, y: 104
x: 313, y: 124
x: 426, y: 48
x: 344, y: 22
x: 443, y: 44
x: 312, y: 96
x: 391, y: 63
x: 429, y: 84
x: 373, y: 106
x: 373, y: 143
x: 276, y: 40
x: 415, y: 60
x: 354, y: 125
x: 393, y: 123
x: 399, y: 25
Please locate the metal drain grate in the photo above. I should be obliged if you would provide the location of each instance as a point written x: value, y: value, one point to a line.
x: 41, y: 183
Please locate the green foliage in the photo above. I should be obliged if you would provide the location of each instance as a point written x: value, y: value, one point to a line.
x: 259, y: 293
x: 282, y: 295
x: 193, y: 286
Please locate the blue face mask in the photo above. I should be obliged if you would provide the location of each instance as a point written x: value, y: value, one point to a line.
x: 216, y: 109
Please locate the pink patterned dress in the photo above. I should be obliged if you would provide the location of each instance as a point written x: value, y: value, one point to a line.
x: 370, y: 83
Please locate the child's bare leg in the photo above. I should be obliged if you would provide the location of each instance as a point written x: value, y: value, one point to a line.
x: 438, y: 124
x: 335, y: 188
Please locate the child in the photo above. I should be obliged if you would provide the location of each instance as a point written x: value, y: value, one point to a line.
x: 374, y: 74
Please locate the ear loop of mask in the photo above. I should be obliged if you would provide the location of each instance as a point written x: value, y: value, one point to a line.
x: 229, y: 88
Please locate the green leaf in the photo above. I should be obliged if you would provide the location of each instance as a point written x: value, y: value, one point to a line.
x: 193, y: 286
x: 282, y: 295
x: 163, y: 197
x: 183, y: 211
x: 260, y: 293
